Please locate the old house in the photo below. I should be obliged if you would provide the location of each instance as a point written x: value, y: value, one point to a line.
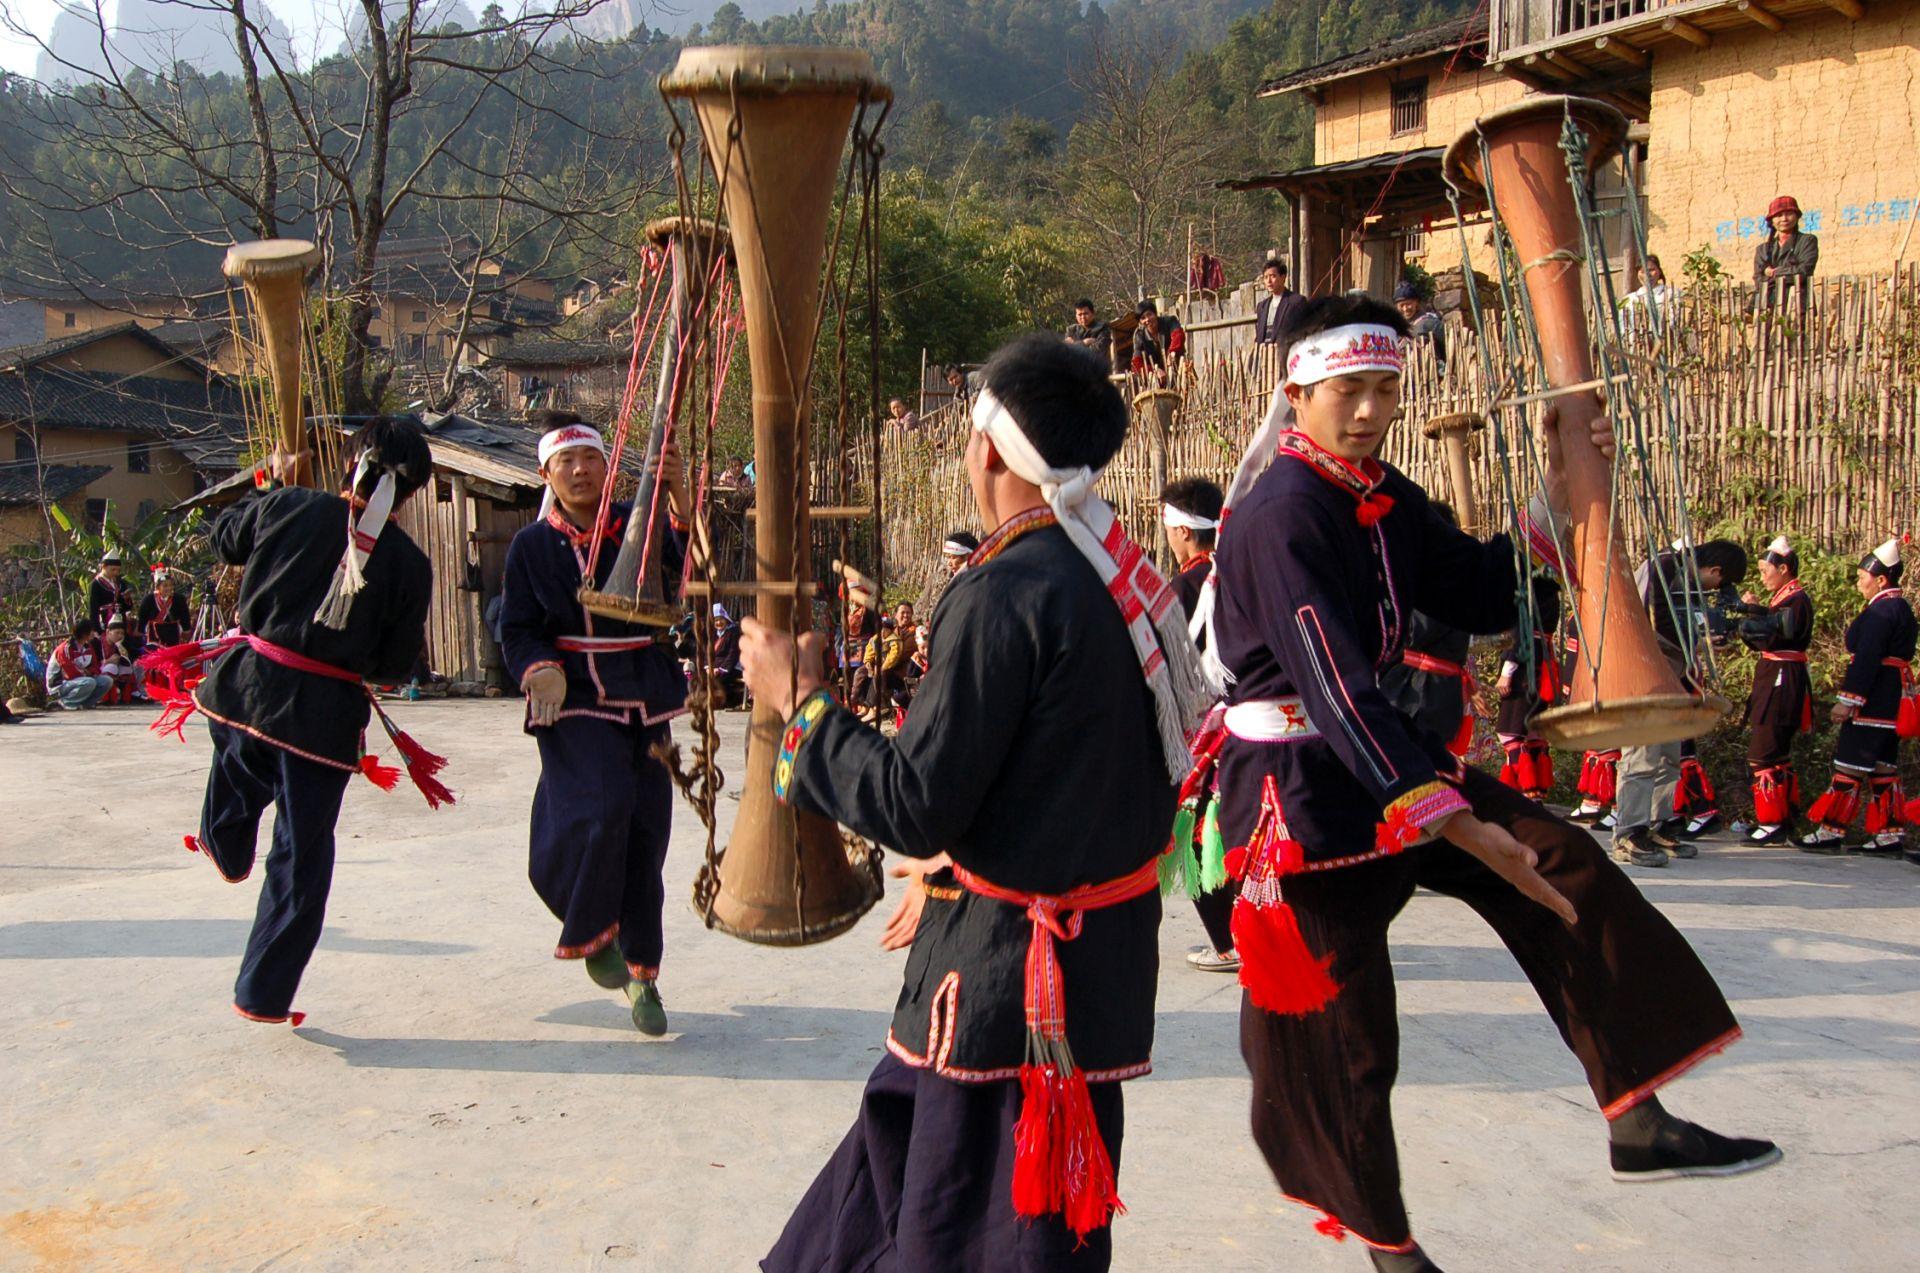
x: 582, y: 375
x: 1745, y: 100
x: 425, y: 289
x: 114, y: 416
x: 1730, y: 103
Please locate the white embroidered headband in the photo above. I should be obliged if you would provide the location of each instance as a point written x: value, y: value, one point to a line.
x: 1180, y: 517
x: 1343, y: 351
x: 569, y: 435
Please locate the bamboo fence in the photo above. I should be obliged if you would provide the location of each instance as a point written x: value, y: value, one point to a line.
x: 1802, y: 418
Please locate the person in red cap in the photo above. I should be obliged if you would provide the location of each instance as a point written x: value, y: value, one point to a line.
x: 1787, y: 258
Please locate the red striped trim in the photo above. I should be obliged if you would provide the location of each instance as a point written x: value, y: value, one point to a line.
x: 291, y: 1018
x: 1784, y: 656
x: 600, y: 645
x: 593, y: 947
x: 1427, y: 663
x: 1621, y: 1104
x: 270, y: 740
x: 1334, y: 1227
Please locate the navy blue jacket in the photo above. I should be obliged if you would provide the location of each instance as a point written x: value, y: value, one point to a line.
x: 1885, y: 629
x: 546, y: 563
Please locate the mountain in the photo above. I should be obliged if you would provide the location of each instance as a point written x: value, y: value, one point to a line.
x: 151, y: 35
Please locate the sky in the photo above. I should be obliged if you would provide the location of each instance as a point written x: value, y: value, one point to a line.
x: 314, y: 23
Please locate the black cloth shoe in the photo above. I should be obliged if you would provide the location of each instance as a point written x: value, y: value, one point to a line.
x: 1825, y: 841
x: 1680, y: 1148
x: 1414, y: 1261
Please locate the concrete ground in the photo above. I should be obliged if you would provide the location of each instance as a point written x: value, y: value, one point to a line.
x: 457, y: 1099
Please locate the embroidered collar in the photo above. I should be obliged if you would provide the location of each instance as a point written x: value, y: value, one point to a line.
x: 577, y: 537
x: 1202, y: 560
x: 1361, y: 481
x: 1791, y: 588
x: 1020, y: 524
x: 1884, y: 593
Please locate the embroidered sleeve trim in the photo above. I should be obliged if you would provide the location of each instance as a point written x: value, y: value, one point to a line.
x: 535, y: 667
x: 1851, y: 700
x: 800, y: 727
x: 1406, y: 819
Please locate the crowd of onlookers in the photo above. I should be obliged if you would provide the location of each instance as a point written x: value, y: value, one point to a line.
x: 95, y: 663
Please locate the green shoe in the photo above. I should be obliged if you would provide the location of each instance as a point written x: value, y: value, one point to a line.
x: 608, y: 967
x: 649, y: 1016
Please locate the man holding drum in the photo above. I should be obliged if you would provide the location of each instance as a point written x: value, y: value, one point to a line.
x: 1340, y: 807
x: 599, y: 695
x: 1033, y: 782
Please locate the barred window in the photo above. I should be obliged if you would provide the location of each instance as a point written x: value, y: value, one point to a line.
x: 1409, y: 107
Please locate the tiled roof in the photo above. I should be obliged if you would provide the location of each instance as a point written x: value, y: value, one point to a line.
x: 21, y: 484
x: 559, y: 353
x: 1470, y: 30
x: 30, y: 355
x: 204, y: 421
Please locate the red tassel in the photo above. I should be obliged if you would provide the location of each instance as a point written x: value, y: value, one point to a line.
x: 1394, y: 834
x: 1769, y: 799
x: 1372, y: 508
x: 1817, y: 811
x: 422, y: 765
x: 1060, y: 1160
x: 385, y: 777
x: 1280, y: 973
x: 173, y: 718
x: 1036, y: 1147
x: 1330, y: 1227
x: 1510, y: 774
x: 1606, y: 777
x: 1236, y: 862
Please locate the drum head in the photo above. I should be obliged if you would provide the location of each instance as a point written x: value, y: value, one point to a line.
x: 270, y: 256
x: 1605, y: 127
x: 774, y: 68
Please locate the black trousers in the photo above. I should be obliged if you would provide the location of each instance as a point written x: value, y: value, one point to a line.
x: 1631, y: 999
x: 1216, y: 912
x: 247, y: 776
x: 923, y: 1183
x: 601, y: 815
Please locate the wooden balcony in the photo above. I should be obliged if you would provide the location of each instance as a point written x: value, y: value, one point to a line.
x: 1568, y: 43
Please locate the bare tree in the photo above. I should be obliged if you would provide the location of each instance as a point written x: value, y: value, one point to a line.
x: 1140, y: 157
x: 400, y: 132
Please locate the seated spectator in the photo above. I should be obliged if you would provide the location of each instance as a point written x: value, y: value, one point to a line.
x: 860, y: 626
x: 723, y: 662
x: 912, y: 670
x: 1159, y: 343
x: 74, y: 679
x: 734, y: 476
x: 1656, y: 292
x: 900, y: 418
x: 1425, y: 323
x: 1279, y: 308
x: 1785, y: 259
x: 881, y: 663
x: 1089, y: 329
x: 116, y: 662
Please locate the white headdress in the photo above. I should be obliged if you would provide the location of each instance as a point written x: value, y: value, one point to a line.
x: 554, y: 441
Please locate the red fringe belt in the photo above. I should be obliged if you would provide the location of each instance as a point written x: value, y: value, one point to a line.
x: 1060, y: 1163
x: 179, y: 666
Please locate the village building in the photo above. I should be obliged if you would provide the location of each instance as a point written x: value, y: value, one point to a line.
x: 112, y: 418
x: 587, y: 376
x: 1730, y: 103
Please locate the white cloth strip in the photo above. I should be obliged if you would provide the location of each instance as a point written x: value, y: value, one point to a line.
x: 1345, y: 351
x: 1271, y: 720
x: 1171, y: 516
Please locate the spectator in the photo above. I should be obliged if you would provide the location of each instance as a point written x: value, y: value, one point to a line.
x: 734, y: 476
x: 723, y: 665
x: 1089, y: 329
x: 165, y: 618
x: 861, y: 626
x: 961, y: 385
x: 109, y: 594
x: 1656, y: 293
x: 880, y: 662
x: 903, y: 620
x: 1786, y: 259
x: 899, y: 417
x: 1279, y: 308
x: 73, y: 673
x: 912, y: 670
x: 116, y: 662
x: 1159, y: 342
x: 1422, y: 320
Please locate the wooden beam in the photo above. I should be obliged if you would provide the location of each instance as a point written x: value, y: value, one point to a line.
x: 1692, y: 34
x: 1765, y: 17
x: 1539, y: 65
x: 1852, y: 8
x: 1574, y: 69
x: 1614, y: 46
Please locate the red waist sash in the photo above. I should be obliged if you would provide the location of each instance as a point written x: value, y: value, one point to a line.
x: 1784, y: 656
x: 178, y: 665
x: 1427, y: 663
x: 1060, y: 1162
